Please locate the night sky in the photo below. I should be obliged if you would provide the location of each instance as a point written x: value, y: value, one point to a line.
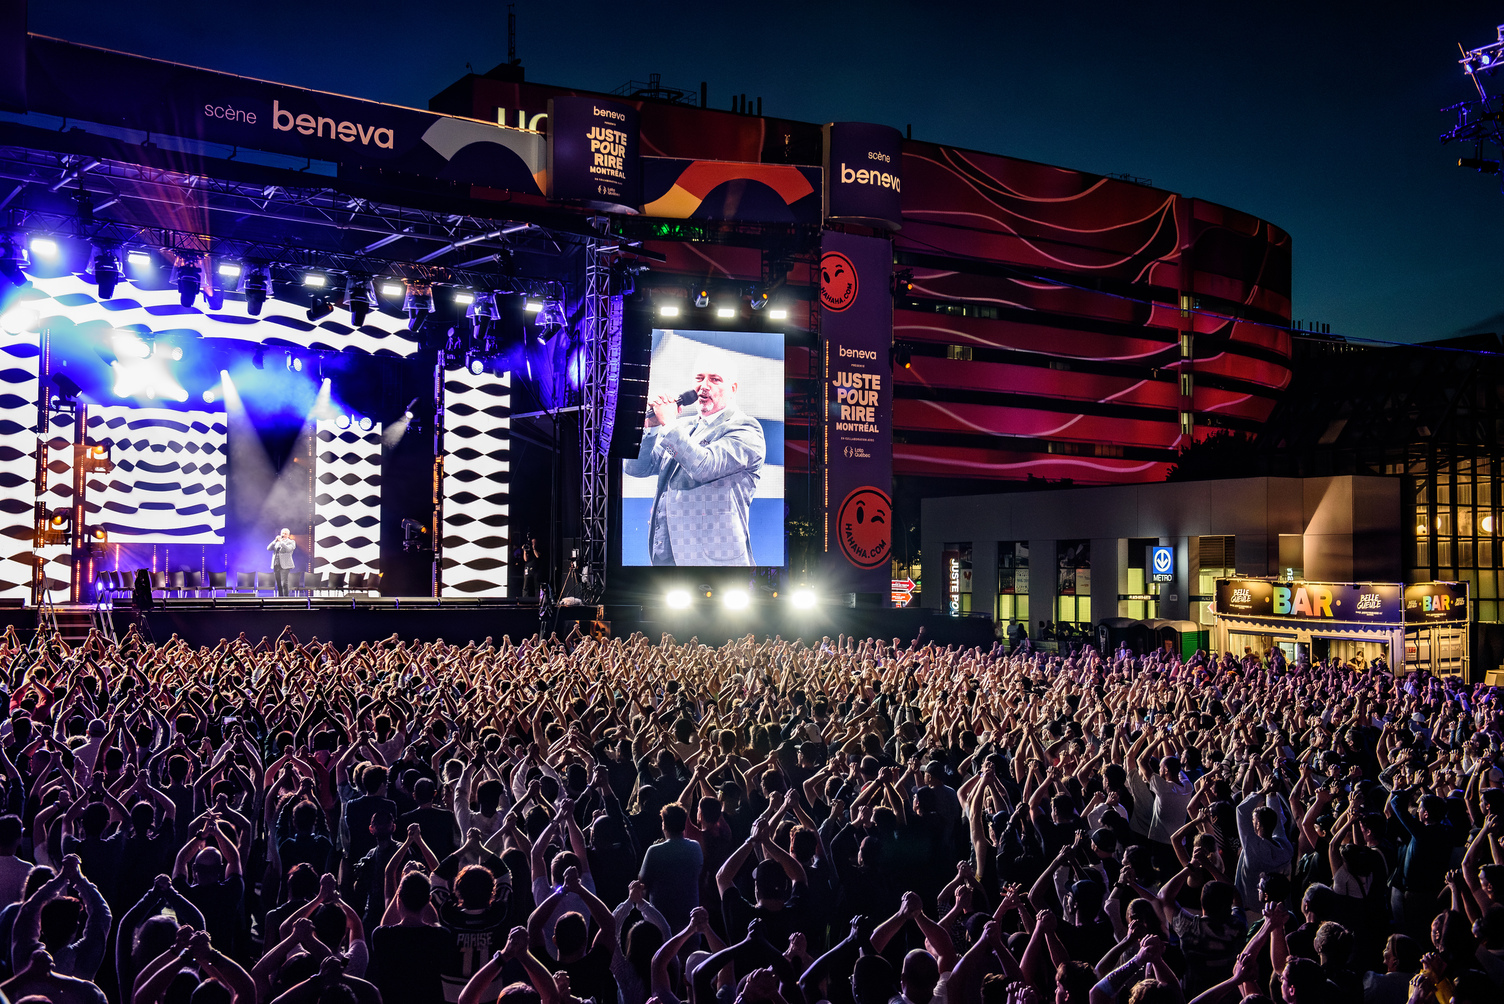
x: 1320, y: 117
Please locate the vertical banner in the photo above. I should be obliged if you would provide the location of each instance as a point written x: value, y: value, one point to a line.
x: 592, y: 153
x: 863, y: 174
x: 856, y: 327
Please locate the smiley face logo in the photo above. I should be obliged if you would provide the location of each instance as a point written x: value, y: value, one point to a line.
x: 864, y: 525
x: 838, y: 282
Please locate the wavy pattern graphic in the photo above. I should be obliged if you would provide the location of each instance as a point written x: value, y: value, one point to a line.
x: 151, y: 310
x: 477, y: 483
x: 169, y: 481
x: 18, y: 414
x: 347, y: 504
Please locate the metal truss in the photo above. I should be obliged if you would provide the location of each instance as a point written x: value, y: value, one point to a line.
x: 595, y: 481
x: 338, y: 231
x: 1481, y: 121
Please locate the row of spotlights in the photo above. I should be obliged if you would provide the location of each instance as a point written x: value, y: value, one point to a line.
x: 802, y: 598
x: 723, y: 312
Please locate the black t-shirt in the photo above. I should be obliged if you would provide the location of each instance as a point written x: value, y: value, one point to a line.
x: 407, y: 963
x: 777, y: 925
x: 143, y: 860
x: 358, y: 813
x: 219, y: 902
x: 473, y: 936
x: 438, y: 827
x: 312, y: 849
x: 590, y: 974
x: 99, y: 860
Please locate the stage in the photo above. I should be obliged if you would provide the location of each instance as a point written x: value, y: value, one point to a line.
x: 203, y: 622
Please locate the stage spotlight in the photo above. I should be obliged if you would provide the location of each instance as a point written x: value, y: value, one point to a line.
x: 315, y: 280
x: 759, y: 299
x: 668, y: 310
x: 533, y: 306
x: 176, y: 353
x: 482, y: 312
x: 366, y: 423
x: 725, y: 312
x: 408, y: 413
x: 210, y: 397
x: 44, y: 247
x: 392, y: 289
x: 12, y: 261
x: 190, y: 280
x: 258, y: 286
x: 677, y: 599
x: 464, y: 296
x: 129, y: 345
x: 139, y: 259
x: 228, y: 270
x: 803, y: 598
x: 295, y: 363
x: 903, y: 356
x: 342, y: 421
x: 702, y: 297
x: 736, y: 599
x: 106, y: 272
x: 419, y: 305
x: 476, y: 364
x: 258, y: 358
x: 359, y: 298
x: 778, y: 314
x: 321, y: 307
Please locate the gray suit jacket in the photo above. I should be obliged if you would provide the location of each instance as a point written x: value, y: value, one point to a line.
x: 282, y: 552
x: 705, y: 485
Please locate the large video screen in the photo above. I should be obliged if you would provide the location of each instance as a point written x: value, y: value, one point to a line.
x: 706, y: 488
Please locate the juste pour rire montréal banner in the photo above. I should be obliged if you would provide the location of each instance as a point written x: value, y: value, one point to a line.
x: 856, y: 328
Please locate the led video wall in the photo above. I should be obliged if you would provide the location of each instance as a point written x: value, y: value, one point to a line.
x: 706, y: 488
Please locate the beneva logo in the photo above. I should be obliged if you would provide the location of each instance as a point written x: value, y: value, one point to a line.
x: 347, y: 132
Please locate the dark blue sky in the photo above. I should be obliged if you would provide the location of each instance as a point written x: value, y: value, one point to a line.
x: 1318, y: 116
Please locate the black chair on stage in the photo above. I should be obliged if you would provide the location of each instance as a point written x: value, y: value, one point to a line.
x: 318, y: 582
x: 373, y: 582
x: 301, y: 584
x: 337, y: 582
x: 356, y: 585
x: 195, y: 582
x: 245, y: 582
x: 159, y: 583
x: 178, y: 582
x: 220, y: 582
x: 265, y: 580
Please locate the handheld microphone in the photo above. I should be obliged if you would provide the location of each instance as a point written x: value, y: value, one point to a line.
x: 684, y: 400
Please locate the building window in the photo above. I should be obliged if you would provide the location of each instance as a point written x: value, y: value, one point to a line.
x: 1186, y: 426
x: 1187, y: 384
x: 1012, y: 581
x: 958, y: 352
x: 1073, y: 581
x: 1185, y: 346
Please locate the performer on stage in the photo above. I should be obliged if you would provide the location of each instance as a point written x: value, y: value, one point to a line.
x: 282, y: 547
x: 707, y: 462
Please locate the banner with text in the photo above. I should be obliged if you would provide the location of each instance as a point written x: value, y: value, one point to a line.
x: 592, y: 153
x: 863, y: 174
x: 856, y: 327
x: 1360, y: 602
x: 161, y: 98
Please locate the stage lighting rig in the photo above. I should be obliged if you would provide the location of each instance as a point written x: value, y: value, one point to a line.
x: 258, y: 358
x: 321, y: 307
x: 189, y: 278
x: 92, y: 458
x: 419, y: 305
x: 702, y: 296
x: 258, y: 286
x: 106, y: 272
x: 415, y: 536
x: 52, y: 526
x: 1480, y: 121
x: 360, y: 296
x: 758, y: 297
x: 482, y: 314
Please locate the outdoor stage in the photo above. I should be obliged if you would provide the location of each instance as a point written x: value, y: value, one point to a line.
x: 460, y: 621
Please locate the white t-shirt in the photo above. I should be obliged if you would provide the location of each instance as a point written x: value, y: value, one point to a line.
x: 1170, y: 800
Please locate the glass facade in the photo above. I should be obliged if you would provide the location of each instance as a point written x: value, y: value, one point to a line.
x: 1454, y: 526
x: 1012, y: 582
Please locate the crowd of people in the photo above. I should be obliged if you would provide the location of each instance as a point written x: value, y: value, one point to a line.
x: 856, y: 821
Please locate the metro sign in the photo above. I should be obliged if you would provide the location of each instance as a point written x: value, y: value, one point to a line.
x: 1161, y: 564
x: 903, y: 591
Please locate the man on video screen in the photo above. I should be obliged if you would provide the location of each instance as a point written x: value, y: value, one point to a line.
x: 706, y: 457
